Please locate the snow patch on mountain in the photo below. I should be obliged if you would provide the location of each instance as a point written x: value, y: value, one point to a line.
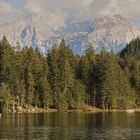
x: 111, y: 32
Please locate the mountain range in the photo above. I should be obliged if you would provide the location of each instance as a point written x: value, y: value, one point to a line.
x: 111, y: 32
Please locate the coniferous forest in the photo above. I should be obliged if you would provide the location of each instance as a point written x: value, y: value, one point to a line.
x: 62, y: 80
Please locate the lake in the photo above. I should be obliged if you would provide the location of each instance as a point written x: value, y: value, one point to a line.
x: 71, y: 126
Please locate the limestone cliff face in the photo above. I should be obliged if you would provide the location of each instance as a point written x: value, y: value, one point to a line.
x: 111, y: 32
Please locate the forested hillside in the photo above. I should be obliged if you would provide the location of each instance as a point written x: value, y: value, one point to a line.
x: 62, y: 80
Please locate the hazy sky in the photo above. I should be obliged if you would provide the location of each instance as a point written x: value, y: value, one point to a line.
x: 76, y: 10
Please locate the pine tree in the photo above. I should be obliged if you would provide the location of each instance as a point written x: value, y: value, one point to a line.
x: 5, y: 97
x: 66, y: 75
x: 107, y: 80
x: 53, y: 74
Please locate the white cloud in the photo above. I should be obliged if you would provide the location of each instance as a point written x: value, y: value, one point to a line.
x: 132, y: 0
x: 34, y: 6
x: 80, y: 10
x: 111, y: 8
x: 76, y: 10
x: 128, y: 8
x: 6, y: 8
x: 70, y: 3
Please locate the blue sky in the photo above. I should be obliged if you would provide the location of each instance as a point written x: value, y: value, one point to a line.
x: 76, y: 10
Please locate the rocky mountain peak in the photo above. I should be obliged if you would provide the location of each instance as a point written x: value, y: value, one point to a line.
x: 44, y: 29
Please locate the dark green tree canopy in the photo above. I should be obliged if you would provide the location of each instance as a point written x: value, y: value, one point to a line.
x: 61, y: 80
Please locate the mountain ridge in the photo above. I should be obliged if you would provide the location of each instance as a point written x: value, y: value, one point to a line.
x: 111, y: 32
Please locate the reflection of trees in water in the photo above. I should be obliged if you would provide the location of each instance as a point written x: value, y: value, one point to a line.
x: 70, y: 126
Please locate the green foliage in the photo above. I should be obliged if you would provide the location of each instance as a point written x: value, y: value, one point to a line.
x: 5, y: 96
x: 64, y: 81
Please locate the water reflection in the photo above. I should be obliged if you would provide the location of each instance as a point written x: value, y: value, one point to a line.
x: 71, y: 126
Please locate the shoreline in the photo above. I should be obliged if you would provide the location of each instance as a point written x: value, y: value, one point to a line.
x: 84, y: 111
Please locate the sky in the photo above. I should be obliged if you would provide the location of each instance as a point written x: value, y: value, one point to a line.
x: 76, y: 10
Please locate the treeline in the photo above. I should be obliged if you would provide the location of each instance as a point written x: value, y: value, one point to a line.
x: 62, y: 80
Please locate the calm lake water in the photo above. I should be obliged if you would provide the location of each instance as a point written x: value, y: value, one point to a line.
x: 71, y: 126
